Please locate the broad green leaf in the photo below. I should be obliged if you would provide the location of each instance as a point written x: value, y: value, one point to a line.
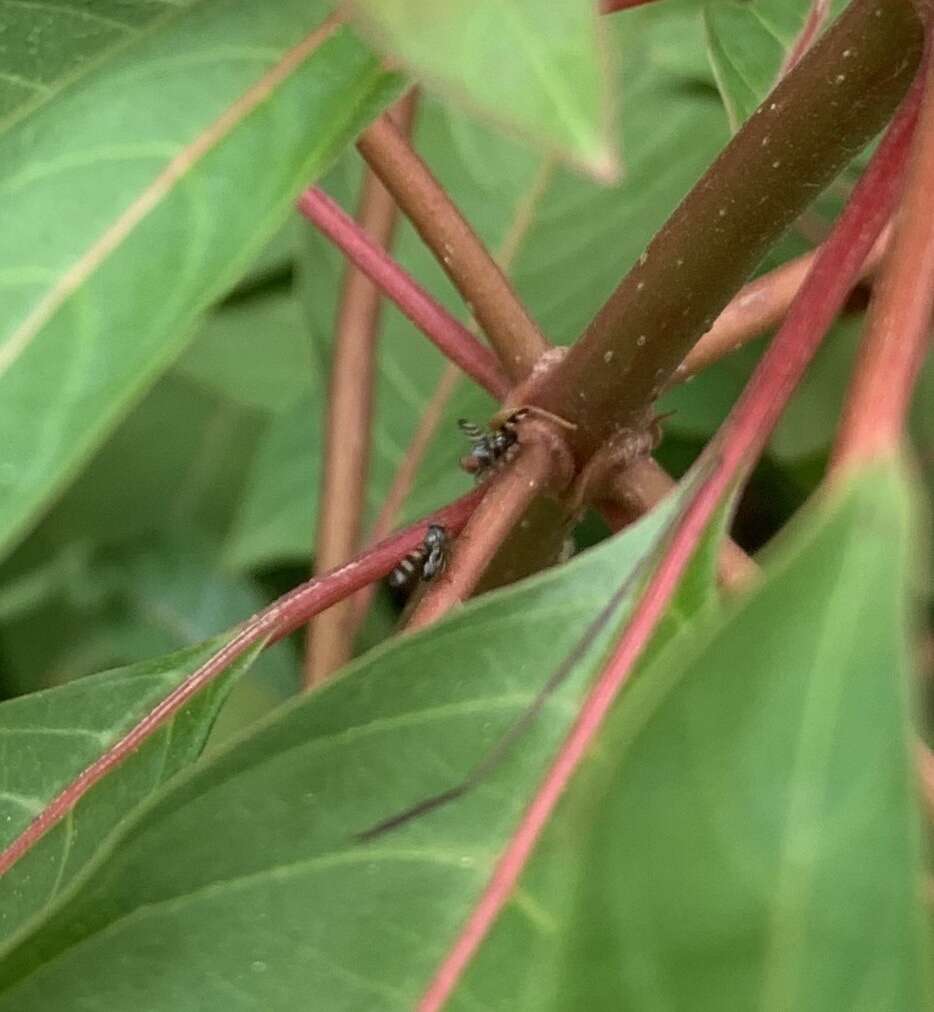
x: 163, y: 192
x: 277, y: 516
x: 537, y: 69
x: 576, y: 239
x: 49, y: 737
x: 752, y: 806
x: 178, y: 460
x: 245, y: 877
x: 45, y: 48
x: 253, y: 351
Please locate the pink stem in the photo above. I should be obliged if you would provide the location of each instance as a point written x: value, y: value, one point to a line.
x: 452, y: 338
x: 820, y: 10
x: 896, y: 336
x: 740, y: 440
x: 611, y: 6
x: 269, y: 625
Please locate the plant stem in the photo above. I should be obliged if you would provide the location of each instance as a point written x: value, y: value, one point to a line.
x: 611, y: 6
x: 641, y: 486
x: 820, y: 9
x: 509, y: 496
x: 823, y: 111
x: 757, y: 307
x: 897, y: 333
x: 404, y: 478
x: 732, y: 453
x: 275, y: 621
x: 347, y: 428
x: 502, y: 316
x: 452, y: 338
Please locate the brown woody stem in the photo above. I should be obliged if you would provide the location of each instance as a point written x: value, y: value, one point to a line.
x: 822, y: 112
x: 502, y: 316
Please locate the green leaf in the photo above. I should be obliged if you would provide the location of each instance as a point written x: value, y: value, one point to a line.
x: 47, y: 48
x: 253, y: 351
x: 537, y: 69
x: 50, y: 737
x: 245, y: 877
x: 576, y: 239
x: 168, y: 164
x: 752, y: 805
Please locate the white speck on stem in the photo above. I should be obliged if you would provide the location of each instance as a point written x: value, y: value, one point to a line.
x: 640, y: 286
x: 640, y: 340
x: 776, y: 164
x: 608, y: 357
x: 840, y: 78
x: 765, y: 141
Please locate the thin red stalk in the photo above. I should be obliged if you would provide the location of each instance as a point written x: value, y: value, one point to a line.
x: 897, y: 334
x: 640, y: 487
x: 612, y: 6
x: 817, y: 18
x: 453, y: 339
x: 742, y: 438
x: 277, y: 620
x: 348, y: 425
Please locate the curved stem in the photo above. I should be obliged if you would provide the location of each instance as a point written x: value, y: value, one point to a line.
x: 451, y: 337
x: 277, y: 620
x: 467, y: 262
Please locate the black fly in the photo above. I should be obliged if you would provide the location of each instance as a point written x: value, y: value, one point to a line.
x: 490, y: 447
x: 427, y: 560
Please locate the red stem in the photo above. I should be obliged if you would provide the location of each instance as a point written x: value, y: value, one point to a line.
x: 277, y: 620
x: 817, y: 18
x: 740, y: 440
x: 897, y: 334
x: 453, y: 339
x: 612, y: 6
